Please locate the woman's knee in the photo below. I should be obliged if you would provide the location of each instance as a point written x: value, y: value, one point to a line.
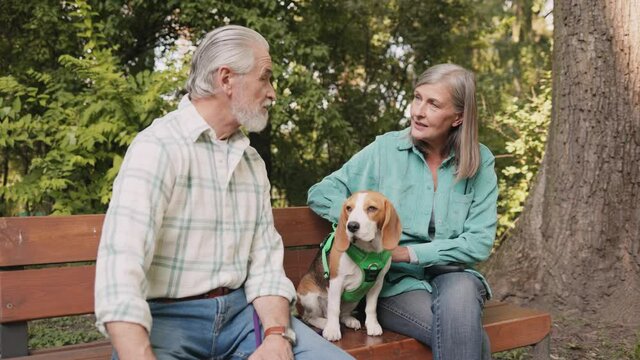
x: 310, y: 344
x: 408, y: 314
x: 460, y: 290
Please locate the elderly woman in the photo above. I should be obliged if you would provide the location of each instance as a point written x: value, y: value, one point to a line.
x: 443, y: 184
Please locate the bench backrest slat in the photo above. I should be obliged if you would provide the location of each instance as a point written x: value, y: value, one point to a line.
x: 49, y: 239
x: 61, y: 291
x: 299, y: 226
x: 59, y: 239
x: 47, y: 292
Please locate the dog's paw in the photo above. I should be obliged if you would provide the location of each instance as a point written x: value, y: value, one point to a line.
x: 373, y: 328
x: 351, y: 322
x: 332, y: 332
x: 318, y: 322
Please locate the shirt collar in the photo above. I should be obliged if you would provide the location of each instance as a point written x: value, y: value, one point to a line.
x: 193, y: 124
x: 196, y: 127
x: 405, y: 142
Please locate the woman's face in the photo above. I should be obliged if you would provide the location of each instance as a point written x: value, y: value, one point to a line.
x: 433, y: 114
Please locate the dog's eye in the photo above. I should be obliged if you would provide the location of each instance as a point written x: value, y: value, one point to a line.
x: 349, y: 208
x: 372, y: 209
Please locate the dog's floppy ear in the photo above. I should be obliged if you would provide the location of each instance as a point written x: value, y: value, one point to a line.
x: 391, y: 229
x: 341, y: 241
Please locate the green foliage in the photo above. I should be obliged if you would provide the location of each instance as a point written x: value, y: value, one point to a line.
x: 62, y: 331
x: 33, y: 35
x: 512, y: 61
x: 343, y: 72
x: 524, y: 123
x: 66, y: 131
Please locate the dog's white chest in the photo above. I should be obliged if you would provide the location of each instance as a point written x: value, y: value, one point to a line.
x: 351, y: 272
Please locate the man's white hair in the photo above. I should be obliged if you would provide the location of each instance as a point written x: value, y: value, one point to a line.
x: 230, y: 45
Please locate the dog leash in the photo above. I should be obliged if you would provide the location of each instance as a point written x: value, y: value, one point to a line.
x: 256, y: 328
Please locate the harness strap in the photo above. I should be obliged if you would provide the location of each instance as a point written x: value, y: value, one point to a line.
x: 325, y: 246
x: 370, y: 263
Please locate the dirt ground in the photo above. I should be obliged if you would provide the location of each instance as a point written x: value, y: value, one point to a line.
x: 574, y: 338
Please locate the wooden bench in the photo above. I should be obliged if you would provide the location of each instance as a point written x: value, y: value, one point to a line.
x: 61, y: 284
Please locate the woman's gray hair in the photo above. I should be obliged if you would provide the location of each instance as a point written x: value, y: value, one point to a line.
x: 464, y: 138
x: 230, y: 45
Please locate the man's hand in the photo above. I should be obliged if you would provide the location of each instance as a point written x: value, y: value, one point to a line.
x: 130, y: 340
x: 273, y: 311
x: 273, y: 347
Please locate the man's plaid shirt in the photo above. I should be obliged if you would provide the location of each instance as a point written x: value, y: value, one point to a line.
x: 189, y: 213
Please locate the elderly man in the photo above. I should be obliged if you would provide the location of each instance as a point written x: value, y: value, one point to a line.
x: 188, y: 248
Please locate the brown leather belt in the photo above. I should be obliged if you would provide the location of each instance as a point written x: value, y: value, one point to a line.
x: 221, y: 291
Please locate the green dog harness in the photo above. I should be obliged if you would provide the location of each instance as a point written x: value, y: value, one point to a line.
x: 370, y: 263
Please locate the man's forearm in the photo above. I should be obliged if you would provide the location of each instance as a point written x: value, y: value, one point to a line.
x: 272, y: 310
x: 130, y: 340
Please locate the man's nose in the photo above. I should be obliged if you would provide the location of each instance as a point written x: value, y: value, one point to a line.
x: 271, y: 93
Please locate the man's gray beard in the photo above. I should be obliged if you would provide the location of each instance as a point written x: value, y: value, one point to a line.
x: 254, y: 120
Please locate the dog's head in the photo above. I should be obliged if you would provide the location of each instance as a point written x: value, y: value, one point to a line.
x: 368, y: 215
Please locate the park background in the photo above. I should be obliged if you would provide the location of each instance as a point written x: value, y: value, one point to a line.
x: 559, y: 105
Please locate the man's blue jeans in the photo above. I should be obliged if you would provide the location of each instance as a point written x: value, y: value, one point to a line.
x: 449, y: 320
x: 222, y: 328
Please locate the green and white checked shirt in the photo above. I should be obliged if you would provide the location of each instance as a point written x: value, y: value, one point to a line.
x: 189, y: 213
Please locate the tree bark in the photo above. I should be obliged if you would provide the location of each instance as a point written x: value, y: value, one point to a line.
x: 577, y: 243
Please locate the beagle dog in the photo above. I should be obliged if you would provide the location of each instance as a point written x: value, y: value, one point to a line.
x: 367, y: 231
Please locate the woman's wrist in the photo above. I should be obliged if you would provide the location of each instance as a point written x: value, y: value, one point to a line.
x: 400, y: 254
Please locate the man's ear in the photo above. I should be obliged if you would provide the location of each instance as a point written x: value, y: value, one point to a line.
x: 222, y: 79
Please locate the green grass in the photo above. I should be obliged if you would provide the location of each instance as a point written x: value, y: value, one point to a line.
x: 635, y: 353
x: 517, y: 354
x: 61, y: 331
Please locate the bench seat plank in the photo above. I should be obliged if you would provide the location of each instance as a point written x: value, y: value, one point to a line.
x: 60, y: 291
x: 510, y: 326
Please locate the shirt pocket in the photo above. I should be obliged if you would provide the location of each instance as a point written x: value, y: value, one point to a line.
x: 459, y: 205
x: 404, y: 201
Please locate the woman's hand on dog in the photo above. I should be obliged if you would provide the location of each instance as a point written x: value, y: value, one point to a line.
x: 400, y: 254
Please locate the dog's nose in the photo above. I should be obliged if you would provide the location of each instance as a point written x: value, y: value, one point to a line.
x: 353, y: 226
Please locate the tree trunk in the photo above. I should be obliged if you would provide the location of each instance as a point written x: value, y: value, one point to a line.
x: 262, y: 143
x: 577, y: 243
